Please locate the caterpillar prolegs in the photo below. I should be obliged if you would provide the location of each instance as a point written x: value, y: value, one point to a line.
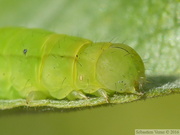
x: 38, y: 64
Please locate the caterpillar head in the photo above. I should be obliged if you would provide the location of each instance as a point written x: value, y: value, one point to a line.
x: 120, y: 69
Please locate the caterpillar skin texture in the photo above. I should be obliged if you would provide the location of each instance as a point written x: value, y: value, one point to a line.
x: 38, y: 64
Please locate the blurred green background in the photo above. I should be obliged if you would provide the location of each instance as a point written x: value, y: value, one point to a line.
x: 151, y: 27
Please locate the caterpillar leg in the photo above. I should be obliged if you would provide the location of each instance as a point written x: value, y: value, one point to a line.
x: 76, y: 95
x: 102, y: 93
x: 35, y: 95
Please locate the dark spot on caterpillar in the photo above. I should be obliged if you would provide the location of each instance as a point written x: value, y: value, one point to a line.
x: 25, y: 51
x: 120, y: 81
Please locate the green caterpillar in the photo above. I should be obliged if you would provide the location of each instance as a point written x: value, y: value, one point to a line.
x: 38, y: 64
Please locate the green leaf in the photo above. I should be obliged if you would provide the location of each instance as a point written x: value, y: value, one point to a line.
x: 150, y: 27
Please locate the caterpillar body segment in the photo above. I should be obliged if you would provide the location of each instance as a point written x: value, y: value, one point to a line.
x: 38, y: 64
